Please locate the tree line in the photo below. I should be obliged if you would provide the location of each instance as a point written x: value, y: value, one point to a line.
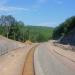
x: 17, y: 30
x: 64, y: 28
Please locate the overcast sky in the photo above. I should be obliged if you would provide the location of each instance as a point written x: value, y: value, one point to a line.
x: 39, y: 12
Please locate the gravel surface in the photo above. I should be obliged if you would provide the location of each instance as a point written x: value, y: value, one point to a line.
x: 50, y: 64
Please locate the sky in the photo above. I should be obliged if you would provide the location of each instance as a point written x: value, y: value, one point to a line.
x: 39, y: 12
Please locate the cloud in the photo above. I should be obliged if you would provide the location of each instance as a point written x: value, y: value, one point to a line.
x: 5, y: 8
x: 58, y: 1
x: 34, y: 7
x: 3, y: 2
x: 42, y: 1
x: 52, y: 24
x: 12, y: 9
x: 38, y: 4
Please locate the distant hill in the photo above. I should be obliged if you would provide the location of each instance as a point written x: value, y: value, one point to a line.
x: 41, y: 33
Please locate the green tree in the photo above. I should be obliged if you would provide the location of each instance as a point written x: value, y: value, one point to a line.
x: 64, y: 28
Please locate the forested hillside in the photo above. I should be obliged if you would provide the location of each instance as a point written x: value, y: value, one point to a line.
x: 64, y: 28
x: 17, y: 30
x: 66, y: 31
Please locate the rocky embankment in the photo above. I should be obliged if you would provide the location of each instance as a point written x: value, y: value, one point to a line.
x: 69, y: 38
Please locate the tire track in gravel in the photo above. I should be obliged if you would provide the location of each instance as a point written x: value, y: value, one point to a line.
x: 28, y: 68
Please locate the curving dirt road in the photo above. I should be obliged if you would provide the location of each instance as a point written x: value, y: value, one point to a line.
x: 47, y: 62
x: 36, y: 60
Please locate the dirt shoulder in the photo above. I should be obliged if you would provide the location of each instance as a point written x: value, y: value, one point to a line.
x: 66, y: 53
x: 12, y: 63
x: 29, y: 63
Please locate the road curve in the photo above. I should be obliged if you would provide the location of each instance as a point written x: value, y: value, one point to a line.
x: 46, y: 63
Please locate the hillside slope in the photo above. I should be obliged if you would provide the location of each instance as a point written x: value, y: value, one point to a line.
x: 7, y: 45
x: 39, y: 33
x: 65, y: 32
